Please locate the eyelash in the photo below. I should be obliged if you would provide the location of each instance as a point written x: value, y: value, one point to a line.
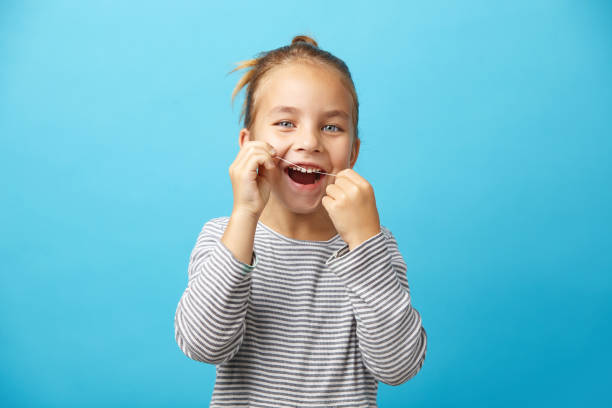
x: 286, y: 121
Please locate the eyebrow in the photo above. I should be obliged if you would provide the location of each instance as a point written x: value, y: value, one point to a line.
x: 328, y: 114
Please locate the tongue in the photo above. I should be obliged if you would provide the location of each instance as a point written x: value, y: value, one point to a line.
x: 302, y: 178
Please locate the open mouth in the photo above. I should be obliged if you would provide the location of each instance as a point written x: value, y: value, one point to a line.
x: 301, y: 177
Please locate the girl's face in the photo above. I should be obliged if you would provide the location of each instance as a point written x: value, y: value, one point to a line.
x: 305, y: 112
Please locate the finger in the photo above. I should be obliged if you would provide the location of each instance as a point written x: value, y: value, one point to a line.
x: 335, y: 192
x: 356, y: 178
x: 261, y: 159
x: 268, y: 161
x: 328, y: 203
x: 267, y: 150
x: 239, y: 163
x: 265, y: 169
x: 350, y: 174
x: 251, y: 157
x: 261, y: 145
x: 271, y: 149
x: 347, y: 185
x: 244, y: 158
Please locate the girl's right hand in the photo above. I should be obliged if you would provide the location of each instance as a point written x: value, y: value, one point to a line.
x: 252, y: 189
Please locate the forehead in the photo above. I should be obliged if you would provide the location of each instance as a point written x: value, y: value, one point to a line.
x: 305, y: 85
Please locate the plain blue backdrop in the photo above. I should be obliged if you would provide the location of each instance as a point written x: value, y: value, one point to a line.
x: 486, y: 136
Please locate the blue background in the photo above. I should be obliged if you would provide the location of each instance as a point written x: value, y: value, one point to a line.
x: 486, y: 136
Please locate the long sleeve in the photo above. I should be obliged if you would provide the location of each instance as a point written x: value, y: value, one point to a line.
x: 391, y: 338
x: 210, y: 317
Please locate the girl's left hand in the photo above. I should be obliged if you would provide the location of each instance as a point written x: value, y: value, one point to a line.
x: 351, y: 206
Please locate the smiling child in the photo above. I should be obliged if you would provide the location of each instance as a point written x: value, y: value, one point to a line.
x: 300, y: 297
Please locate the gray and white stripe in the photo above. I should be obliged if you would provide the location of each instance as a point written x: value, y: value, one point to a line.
x: 309, y: 324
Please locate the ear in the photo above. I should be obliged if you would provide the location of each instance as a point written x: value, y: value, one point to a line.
x: 354, y: 152
x: 243, y: 137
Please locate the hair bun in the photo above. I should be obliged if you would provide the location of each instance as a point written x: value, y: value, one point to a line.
x: 305, y: 39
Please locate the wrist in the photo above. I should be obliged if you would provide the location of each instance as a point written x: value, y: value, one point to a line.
x: 239, y: 235
x: 362, y: 237
x: 245, y: 215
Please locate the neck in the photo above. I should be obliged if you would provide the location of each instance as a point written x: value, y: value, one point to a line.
x: 314, y: 226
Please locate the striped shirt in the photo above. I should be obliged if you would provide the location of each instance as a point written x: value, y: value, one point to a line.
x: 307, y: 324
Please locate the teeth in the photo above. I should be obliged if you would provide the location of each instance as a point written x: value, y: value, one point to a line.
x: 305, y: 170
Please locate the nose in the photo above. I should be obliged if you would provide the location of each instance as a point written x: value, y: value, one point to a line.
x: 308, y: 138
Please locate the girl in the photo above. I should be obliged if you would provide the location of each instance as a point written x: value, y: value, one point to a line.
x: 300, y: 297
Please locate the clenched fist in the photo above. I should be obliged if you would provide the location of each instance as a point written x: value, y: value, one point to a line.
x: 351, y: 205
x: 249, y: 176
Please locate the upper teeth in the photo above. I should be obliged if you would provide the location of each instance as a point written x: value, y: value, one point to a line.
x: 303, y: 170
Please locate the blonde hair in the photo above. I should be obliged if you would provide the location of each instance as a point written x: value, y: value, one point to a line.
x: 302, y: 47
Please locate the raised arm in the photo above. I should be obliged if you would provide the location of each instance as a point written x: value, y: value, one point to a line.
x: 210, y: 317
x: 390, y: 334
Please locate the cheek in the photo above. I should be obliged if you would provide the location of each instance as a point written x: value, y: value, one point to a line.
x: 341, y: 156
x: 281, y: 143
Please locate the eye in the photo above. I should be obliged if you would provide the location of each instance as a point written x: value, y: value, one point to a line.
x: 285, y: 123
x: 331, y: 128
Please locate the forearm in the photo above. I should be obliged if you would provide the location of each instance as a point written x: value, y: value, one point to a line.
x: 240, y: 234
x: 393, y: 343
x: 391, y: 337
x: 209, y: 319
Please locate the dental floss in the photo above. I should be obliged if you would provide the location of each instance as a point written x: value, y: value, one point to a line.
x: 316, y: 171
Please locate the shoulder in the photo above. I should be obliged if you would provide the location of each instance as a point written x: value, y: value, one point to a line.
x: 218, y: 220
x: 386, y: 232
x: 389, y: 238
x: 215, y: 226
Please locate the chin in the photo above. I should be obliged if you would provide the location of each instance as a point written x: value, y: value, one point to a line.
x: 304, y: 208
x: 301, y: 205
